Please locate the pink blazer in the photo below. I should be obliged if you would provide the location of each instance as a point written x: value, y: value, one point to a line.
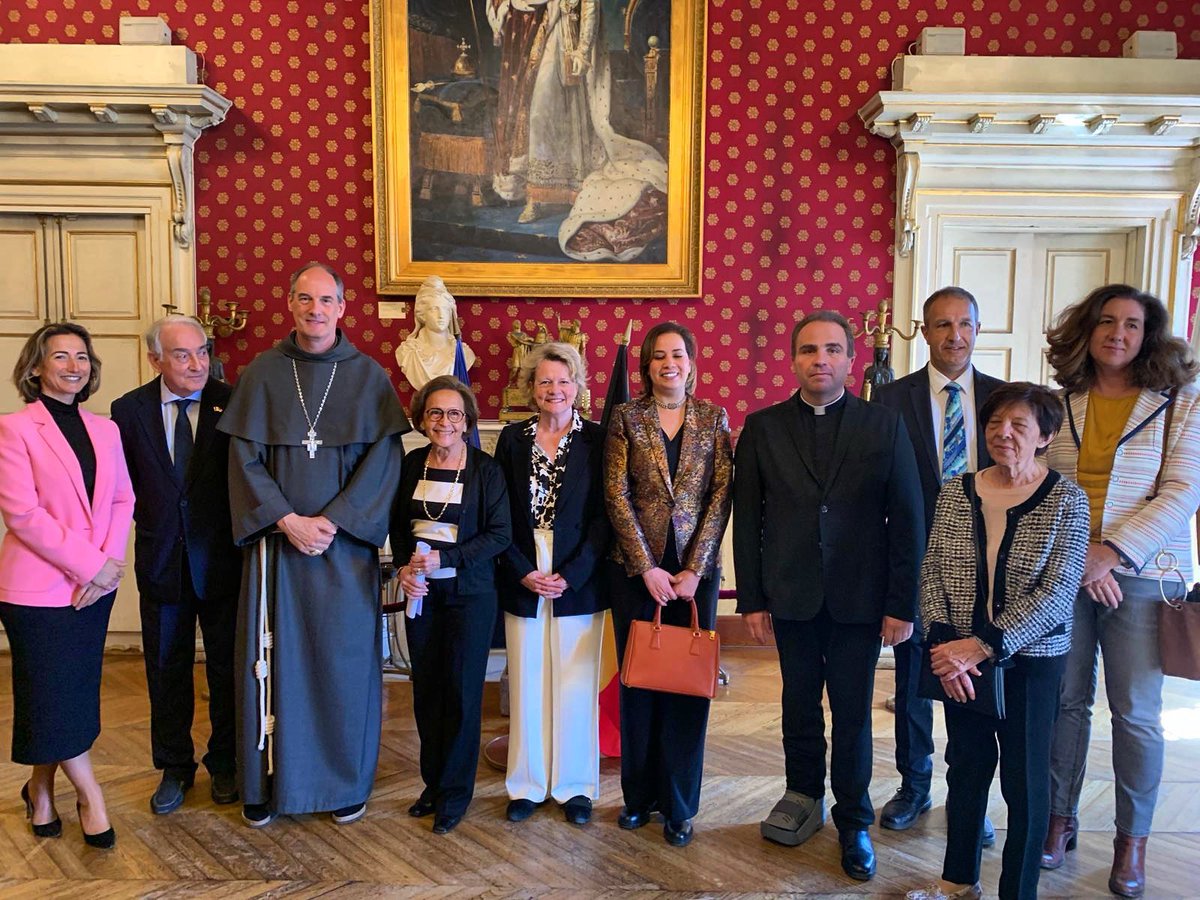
x: 56, y: 541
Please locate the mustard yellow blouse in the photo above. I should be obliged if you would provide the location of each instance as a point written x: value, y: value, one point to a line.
x: 1105, y: 422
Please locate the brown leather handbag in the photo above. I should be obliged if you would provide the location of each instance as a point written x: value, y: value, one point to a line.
x: 672, y: 658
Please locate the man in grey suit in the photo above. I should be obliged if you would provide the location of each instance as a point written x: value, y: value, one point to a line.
x: 938, y: 404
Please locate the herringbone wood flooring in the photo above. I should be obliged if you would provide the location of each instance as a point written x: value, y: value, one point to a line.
x: 205, y: 851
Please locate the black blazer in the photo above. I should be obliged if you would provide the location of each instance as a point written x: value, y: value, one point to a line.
x: 484, y: 525
x: 172, y: 515
x: 852, y: 544
x: 581, y: 530
x: 910, y: 397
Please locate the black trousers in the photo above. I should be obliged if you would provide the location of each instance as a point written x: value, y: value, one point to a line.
x: 914, y: 717
x: 1021, y: 742
x: 662, y: 735
x: 448, y: 645
x: 57, y: 655
x: 169, y: 647
x: 824, y: 655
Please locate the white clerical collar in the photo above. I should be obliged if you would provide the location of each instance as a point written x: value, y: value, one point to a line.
x: 168, y: 397
x: 938, y: 381
x: 823, y: 408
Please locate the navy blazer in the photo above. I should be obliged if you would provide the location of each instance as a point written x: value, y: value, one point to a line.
x: 484, y: 525
x: 174, y: 516
x: 852, y: 543
x: 910, y: 397
x: 581, y: 530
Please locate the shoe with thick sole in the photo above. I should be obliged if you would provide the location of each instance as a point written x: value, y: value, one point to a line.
x: 348, y: 814
x: 257, y: 815
x: 793, y: 820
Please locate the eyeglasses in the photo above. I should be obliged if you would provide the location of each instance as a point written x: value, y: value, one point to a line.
x: 453, y: 416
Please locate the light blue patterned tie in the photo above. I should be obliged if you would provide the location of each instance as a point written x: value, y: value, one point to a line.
x: 954, y: 435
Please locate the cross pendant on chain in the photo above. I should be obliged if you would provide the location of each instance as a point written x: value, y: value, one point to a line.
x: 312, y: 443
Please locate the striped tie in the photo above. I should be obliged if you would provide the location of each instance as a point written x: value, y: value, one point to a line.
x: 954, y: 435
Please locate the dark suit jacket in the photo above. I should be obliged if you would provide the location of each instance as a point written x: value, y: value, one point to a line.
x: 852, y: 544
x: 643, y: 501
x: 581, y: 532
x: 174, y: 516
x: 484, y: 522
x: 910, y: 397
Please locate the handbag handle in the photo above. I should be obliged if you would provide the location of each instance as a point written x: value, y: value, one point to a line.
x: 695, y: 616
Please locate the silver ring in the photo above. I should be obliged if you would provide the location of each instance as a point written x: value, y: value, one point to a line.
x: 314, y: 552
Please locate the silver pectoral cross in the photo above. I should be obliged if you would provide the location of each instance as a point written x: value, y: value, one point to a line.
x: 312, y: 443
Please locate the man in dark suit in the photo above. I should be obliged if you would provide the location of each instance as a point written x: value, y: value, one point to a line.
x: 186, y: 564
x: 827, y: 543
x: 938, y: 404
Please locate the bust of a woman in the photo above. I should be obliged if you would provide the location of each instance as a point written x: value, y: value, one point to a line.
x: 429, y: 350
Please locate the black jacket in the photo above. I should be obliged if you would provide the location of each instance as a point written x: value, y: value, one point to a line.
x: 174, y: 516
x: 910, y: 397
x: 581, y: 530
x: 484, y: 526
x: 852, y: 544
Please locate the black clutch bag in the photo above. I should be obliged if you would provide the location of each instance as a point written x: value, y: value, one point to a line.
x: 988, y: 684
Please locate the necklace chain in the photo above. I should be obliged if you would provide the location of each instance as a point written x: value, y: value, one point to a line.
x: 462, y: 459
x: 312, y: 423
x: 664, y: 405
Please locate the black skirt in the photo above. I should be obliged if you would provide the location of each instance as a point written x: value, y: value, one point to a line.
x: 57, y: 653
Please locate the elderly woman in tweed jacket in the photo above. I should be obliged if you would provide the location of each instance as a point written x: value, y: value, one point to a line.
x: 1004, y: 562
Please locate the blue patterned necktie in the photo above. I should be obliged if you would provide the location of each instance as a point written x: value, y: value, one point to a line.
x: 954, y: 435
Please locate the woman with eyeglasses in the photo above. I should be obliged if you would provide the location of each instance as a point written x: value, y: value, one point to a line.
x: 451, y: 500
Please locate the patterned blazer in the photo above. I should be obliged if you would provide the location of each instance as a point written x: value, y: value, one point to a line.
x: 1136, y: 526
x: 642, y: 500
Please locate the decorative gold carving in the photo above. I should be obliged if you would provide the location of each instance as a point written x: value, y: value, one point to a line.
x: 918, y: 121
x: 514, y: 406
x: 650, y: 64
x: 1102, y: 124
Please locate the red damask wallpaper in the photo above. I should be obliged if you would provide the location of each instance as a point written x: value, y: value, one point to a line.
x: 799, y: 201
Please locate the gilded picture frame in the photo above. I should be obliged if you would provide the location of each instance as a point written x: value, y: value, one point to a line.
x: 446, y: 156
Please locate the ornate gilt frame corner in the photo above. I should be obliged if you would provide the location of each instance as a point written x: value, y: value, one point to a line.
x: 398, y: 273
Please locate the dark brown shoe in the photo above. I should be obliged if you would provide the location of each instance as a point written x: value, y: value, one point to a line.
x: 1128, y: 877
x: 1061, y: 838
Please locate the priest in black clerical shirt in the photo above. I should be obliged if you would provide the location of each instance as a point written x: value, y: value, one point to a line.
x: 827, y: 541
x: 315, y: 456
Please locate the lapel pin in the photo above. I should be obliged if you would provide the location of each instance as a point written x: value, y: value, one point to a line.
x: 218, y: 409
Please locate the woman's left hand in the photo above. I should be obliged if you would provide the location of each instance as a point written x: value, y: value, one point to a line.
x: 685, y: 583
x: 87, y: 595
x: 1100, y: 561
x: 954, y: 658
x: 959, y: 687
x: 424, y: 563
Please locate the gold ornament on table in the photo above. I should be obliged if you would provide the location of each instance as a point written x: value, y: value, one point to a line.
x: 514, y: 405
x: 876, y: 325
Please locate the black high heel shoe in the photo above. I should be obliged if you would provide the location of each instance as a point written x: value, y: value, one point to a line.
x: 105, y: 840
x: 50, y: 829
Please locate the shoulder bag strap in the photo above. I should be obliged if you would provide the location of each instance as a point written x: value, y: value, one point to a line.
x: 1162, y: 462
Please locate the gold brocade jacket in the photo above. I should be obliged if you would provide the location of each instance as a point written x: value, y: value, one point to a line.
x: 642, y: 500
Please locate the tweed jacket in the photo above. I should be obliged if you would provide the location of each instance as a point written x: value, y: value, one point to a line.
x: 1039, y: 568
x: 642, y: 499
x: 1136, y: 526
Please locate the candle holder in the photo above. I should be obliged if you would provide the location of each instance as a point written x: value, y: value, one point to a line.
x: 879, y: 329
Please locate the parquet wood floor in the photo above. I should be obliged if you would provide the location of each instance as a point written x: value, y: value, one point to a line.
x: 205, y: 851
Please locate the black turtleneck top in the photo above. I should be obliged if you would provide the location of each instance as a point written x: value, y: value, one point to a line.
x: 66, y: 416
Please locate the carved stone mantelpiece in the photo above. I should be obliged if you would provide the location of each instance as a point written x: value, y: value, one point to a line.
x: 107, y: 116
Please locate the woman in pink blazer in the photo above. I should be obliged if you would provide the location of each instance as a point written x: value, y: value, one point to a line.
x: 67, y: 504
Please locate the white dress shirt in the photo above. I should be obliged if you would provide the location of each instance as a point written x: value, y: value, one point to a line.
x: 939, y: 396
x: 170, y: 411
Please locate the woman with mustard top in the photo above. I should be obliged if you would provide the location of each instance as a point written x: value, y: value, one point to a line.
x: 1125, y: 378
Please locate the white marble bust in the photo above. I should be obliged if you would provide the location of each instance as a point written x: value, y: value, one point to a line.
x: 429, y: 350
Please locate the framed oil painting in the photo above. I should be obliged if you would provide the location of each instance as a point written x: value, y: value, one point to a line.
x: 539, y: 147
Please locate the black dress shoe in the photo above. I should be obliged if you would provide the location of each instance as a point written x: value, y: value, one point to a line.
x: 631, y: 819
x: 444, y: 824
x: 224, y: 788
x: 519, y: 810
x: 578, y: 810
x: 858, y: 855
x: 422, y: 808
x: 104, y: 840
x: 168, y: 797
x: 899, y: 813
x: 989, y: 833
x: 678, y: 834
x: 48, y: 829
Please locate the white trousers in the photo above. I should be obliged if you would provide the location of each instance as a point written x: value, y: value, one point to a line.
x: 553, y: 691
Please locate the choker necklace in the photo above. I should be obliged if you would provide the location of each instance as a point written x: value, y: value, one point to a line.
x: 312, y: 443
x: 457, y: 474
x: 663, y: 405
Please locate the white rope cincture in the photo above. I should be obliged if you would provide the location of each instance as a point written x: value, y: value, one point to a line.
x: 262, y: 664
